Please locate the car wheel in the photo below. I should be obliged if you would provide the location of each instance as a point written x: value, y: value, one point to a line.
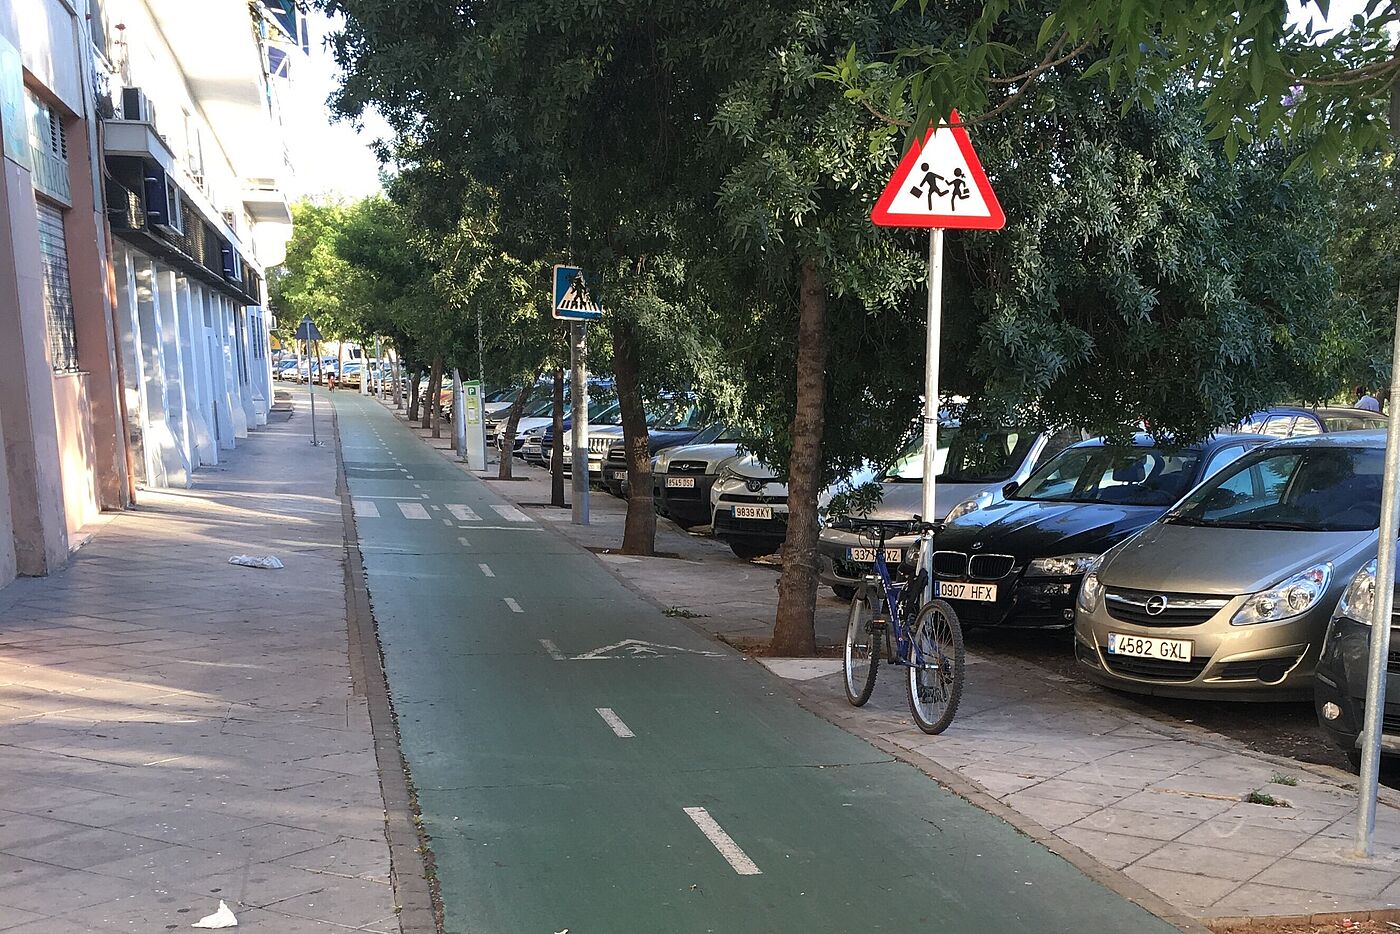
x: 844, y: 592
x: 748, y: 550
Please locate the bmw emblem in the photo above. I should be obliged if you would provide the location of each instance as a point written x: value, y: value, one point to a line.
x: 1156, y: 605
x: 755, y: 486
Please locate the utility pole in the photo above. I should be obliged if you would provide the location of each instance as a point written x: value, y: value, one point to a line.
x: 578, y: 355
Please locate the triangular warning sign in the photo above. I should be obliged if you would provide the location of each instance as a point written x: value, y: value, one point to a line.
x: 940, y: 183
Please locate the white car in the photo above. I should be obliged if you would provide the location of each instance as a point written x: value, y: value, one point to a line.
x: 750, y: 505
x: 685, y: 473
x: 973, y: 474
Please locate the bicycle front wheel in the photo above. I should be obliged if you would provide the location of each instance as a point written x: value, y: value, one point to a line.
x: 935, y: 667
x: 862, y: 655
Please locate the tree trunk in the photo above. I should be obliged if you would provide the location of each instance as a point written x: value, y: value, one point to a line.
x: 398, y: 384
x: 639, y: 531
x: 512, y: 423
x: 430, y: 404
x: 556, y: 486
x: 794, y: 630
x: 415, y: 374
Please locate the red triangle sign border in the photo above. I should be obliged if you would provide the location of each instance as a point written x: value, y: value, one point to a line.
x: 995, y: 219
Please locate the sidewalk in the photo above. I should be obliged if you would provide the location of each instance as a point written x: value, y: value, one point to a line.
x: 1155, y: 804
x: 178, y: 730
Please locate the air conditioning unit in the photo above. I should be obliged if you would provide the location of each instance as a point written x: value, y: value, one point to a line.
x: 137, y: 106
x: 163, y: 208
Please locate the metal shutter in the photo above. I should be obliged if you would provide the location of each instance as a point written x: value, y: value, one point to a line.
x: 58, y: 293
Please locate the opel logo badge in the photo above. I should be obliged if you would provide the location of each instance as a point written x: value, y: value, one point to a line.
x: 1156, y: 605
x: 754, y: 485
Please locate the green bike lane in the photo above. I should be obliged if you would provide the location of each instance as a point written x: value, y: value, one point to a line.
x: 503, y: 641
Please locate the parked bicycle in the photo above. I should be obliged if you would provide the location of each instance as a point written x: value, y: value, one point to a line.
x: 890, y: 620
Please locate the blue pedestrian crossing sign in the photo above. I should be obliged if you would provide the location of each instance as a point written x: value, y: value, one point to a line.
x: 573, y: 295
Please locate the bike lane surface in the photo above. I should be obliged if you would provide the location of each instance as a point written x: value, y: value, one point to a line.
x: 583, y: 762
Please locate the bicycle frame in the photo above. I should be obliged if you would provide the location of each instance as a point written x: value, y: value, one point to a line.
x: 892, y: 592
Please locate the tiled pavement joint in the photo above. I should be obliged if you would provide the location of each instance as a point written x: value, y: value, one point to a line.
x: 420, y: 906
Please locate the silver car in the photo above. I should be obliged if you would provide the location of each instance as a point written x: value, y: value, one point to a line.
x: 973, y: 474
x: 1229, y: 593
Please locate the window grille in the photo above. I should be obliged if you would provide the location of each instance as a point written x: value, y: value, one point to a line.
x: 58, y: 293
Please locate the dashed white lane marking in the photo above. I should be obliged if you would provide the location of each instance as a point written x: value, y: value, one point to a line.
x: 723, y: 842
x: 552, y: 649
x: 418, y: 486
x: 463, y: 541
x: 365, y: 509
x: 435, y: 507
x: 413, y: 510
x: 511, y: 514
x: 447, y: 522
x: 514, y: 607
x: 486, y: 569
x: 463, y: 513
x: 614, y: 721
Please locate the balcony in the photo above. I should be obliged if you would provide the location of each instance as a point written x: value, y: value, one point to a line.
x: 266, y: 202
x: 136, y: 138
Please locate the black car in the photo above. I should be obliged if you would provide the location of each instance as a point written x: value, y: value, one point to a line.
x: 1288, y: 421
x: 660, y: 436
x: 1018, y: 563
x: 1339, y: 685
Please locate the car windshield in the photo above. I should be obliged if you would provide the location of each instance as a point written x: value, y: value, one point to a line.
x: 716, y: 434
x: 539, y: 408
x: 1292, y: 489
x: 673, y: 415
x: 604, y: 413
x: 1125, y: 477
x: 1352, y: 423
x: 964, y: 457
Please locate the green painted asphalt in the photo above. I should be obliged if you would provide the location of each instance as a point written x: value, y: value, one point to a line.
x: 543, y: 819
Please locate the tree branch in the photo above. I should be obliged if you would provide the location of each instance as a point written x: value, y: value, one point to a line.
x: 893, y: 121
x: 1030, y: 76
x: 1371, y: 72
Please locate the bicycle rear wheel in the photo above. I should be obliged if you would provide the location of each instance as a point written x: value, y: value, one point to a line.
x: 862, y: 655
x: 935, y: 667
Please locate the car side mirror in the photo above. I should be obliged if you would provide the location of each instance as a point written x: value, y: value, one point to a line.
x: 1010, y: 489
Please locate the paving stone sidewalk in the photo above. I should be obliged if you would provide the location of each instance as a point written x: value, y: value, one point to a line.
x: 1161, y: 802
x: 177, y: 730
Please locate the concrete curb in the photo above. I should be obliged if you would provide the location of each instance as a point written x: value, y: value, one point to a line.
x: 410, y: 859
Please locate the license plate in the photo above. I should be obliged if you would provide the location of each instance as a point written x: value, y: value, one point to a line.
x: 615, y: 473
x: 753, y: 512
x: 961, y: 590
x: 681, y: 483
x: 1168, y: 650
x: 867, y: 555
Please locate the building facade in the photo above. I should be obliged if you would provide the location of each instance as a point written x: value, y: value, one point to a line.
x: 140, y: 204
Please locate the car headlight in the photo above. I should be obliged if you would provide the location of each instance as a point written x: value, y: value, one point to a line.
x: 1091, y: 590
x: 1061, y: 566
x: 969, y: 505
x: 1359, y: 599
x: 1289, y: 598
x: 661, y: 462
x: 728, y: 473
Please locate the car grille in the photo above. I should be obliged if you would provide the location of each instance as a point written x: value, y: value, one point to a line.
x: 757, y: 498
x: 599, y: 445
x: 950, y: 564
x: 1249, y: 671
x: 978, y: 567
x: 687, y: 467
x: 617, y: 455
x: 990, y: 567
x: 1182, y: 609
x: 1154, y: 669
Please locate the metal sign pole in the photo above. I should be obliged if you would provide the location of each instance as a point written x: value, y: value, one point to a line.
x: 1382, y: 606
x: 459, y: 416
x: 579, y: 414
x: 932, y: 342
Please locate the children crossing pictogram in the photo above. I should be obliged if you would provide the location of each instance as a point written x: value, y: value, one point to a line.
x: 940, y: 183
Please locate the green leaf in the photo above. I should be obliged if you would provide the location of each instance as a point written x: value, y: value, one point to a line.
x: 1047, y: 28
